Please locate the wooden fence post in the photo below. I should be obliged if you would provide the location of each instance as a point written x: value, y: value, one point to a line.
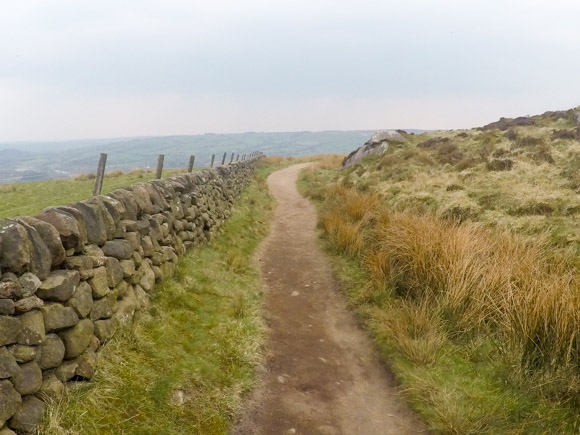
x: 212, y: 159
x: 160, y: 160
x: 232, y: 159
x: 191, y: 162
x: 238, y: 158
x: 224, y: 159
x: 100, y: 174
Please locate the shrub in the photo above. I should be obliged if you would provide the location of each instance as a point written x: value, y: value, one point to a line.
x: 500, y: 165
x: 528, y: 141
x: 433, y: 142
x: 511, y: 134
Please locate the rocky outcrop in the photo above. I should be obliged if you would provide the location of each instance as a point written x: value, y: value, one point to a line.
x: 70, y: 275
x: 377, y: 144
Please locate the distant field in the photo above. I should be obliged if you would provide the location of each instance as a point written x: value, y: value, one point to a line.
x: 25, y: 199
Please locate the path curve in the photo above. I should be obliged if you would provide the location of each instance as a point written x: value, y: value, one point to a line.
x: 322, y: 375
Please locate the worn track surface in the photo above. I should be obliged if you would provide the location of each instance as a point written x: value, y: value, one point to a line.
x: 322, y: 375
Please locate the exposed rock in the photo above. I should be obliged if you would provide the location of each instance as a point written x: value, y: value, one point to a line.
x: 9, y: 330
x: 377, y: 144
x: 8, y: 366
x: 28, y: 415
x: 82, y: 300
x: 28, y: 379
x: 119, y: 249
x: 59, y: 286
x: 6, y: 431
x: 10, y: 401
x: 33, y: 331
x: 58, y: 317
x: 77, y: 338
x: 51, y: 352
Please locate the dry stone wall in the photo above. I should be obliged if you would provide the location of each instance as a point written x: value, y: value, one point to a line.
x: 72, y: 274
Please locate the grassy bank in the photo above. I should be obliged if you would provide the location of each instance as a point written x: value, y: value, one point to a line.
x: 479, y: 325
x: 185, y: 366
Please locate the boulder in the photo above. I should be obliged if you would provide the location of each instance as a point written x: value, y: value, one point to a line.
x: 59, y: 286
x: 66, y: 371
x: 77, y: 338
x: 57, y: 316
x: 10, y: 401
x: 51, y: 352
x: 10, y: 328
x: 29, y: 415
x: 28, y: 379
x: 377, y: 144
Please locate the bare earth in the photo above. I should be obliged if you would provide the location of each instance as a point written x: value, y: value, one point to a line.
x: 322, y: 375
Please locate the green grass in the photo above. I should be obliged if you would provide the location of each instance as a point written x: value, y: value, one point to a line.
x: 201, y: 341
x: 26, y: 199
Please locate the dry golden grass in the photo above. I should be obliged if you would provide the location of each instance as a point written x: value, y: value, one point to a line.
x: 114, y: 173
x: 482, y: 281
x: 84, y: 177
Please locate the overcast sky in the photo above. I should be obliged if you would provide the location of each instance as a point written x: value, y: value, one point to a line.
x: 109, y: 68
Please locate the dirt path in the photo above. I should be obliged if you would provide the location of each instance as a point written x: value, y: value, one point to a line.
x: 322, y: 375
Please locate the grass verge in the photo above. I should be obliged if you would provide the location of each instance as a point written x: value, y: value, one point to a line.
x: 185, y: 366
x: 480, y: 328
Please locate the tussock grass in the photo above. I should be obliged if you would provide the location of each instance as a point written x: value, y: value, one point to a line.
x: 481, y: 326
x: 184, y: 366
x: 85, y: 177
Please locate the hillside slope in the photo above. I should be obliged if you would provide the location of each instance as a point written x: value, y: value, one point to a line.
x: 520, y: 175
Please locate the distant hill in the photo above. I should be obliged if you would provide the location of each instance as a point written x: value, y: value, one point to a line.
x: 48, y: 160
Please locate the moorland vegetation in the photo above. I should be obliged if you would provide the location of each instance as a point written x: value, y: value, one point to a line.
x: 459, y: 250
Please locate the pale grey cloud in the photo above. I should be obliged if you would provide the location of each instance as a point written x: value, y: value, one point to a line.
x: 109, y: 68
